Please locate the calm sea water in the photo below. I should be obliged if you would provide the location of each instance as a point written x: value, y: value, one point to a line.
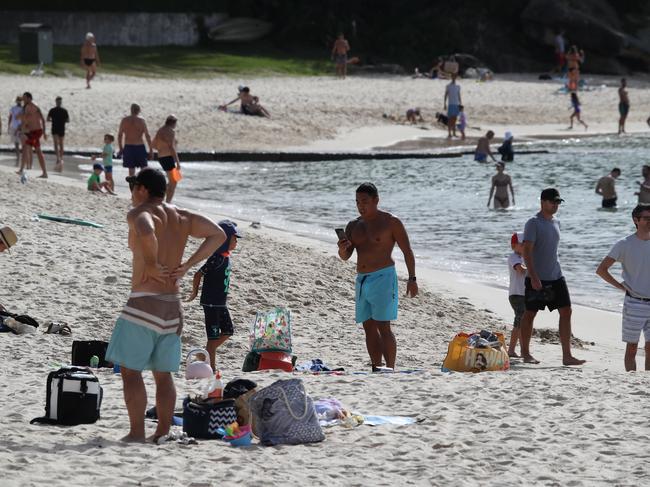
x: 443, y: 203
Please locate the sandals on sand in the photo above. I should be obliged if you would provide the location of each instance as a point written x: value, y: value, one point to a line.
x: 55, y: 327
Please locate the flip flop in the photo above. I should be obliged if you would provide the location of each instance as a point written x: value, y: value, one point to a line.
x: 58, y: 328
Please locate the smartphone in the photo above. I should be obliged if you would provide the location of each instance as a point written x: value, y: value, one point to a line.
x: 340, y: 233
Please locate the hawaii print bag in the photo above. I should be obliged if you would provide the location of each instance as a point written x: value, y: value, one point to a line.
x: 271, y: 331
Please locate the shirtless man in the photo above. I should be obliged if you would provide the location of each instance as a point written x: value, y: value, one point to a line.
x: 606, y: 188
x: 165, y: 143
x: 249, y: 104
x: 374, y: 235
x: 644, y: 186
x: 623, y: 105
x: 132, y: 149
x: 340, y: 55
x: 89, y: 57
x: 483, y: 148
x: 147, y: 335
x: 501, y: 181
x: 33, y: 128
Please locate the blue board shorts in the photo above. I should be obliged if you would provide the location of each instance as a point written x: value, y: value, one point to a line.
x: 146, y: 336
x: 376, y: 295
x: 453, y: 110
x: 134, y: 156
x: 480, y: 157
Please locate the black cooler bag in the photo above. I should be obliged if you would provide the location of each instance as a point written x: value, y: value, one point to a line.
x: 202, y: 419
x: 82, y: 351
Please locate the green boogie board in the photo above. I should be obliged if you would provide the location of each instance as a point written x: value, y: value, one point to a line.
x: 73, y: 221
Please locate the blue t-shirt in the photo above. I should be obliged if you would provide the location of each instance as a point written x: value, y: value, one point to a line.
x: 216, y: 280
x: 545, y: 235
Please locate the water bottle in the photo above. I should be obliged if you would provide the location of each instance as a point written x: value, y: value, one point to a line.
x: 217, y: 387
x: 94, y: 361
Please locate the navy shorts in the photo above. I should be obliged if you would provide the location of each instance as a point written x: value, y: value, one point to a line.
x: 217, y: 322
x: 108, y: 169
x: 134, y: 156
x: 167, y: 163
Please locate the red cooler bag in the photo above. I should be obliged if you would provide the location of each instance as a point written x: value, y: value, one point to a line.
x: 275, y: 361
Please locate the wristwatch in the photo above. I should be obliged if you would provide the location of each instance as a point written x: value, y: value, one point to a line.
x: 412, y: 279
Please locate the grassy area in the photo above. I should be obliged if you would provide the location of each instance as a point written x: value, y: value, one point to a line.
x: 191, y: 62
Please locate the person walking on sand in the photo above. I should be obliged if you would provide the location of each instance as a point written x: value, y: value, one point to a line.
x: 129, y: 139
x: 33, y: 126
x: 623, y: 105
x: 483, y: 150
x: 501, y: 181
x: 632, y: 252
x: 340, y: 55
x: 606, y: 187
x: 89, y: 57
x: 13, y: 126
x: 575, y: 104
x: 147, y: 334
x: 644, y: 186
x: 452, y: 103
x: 374, y: 235
x: 59, y: 117
x: 545, y: 285
x: 165, y: 143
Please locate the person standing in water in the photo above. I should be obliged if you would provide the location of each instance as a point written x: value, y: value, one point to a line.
x: 501, y: 181
x: 644, y: 186
x: 623, y: 105
x: 129, y: 139
x: 89, y: 57
x: 606, y: 188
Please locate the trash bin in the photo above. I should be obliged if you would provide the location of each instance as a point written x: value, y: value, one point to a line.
x: 35, y: 43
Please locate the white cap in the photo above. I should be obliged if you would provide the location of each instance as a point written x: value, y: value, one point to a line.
x: 508, y: 135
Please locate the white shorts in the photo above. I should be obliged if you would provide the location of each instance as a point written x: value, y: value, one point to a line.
x: 636, y: 318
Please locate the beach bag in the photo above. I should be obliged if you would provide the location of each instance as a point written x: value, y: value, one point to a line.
x: 203, y: 419
x: 24, y: 319
x: 271, y: 331
x: 463, y: 357
x: 82, y: 351
x: 275, y: 361
x: 73, y: 396
x: 283, y: 413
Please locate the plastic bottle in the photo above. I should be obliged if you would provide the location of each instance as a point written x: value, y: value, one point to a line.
x: 216, y: 391
x: 94, y: 361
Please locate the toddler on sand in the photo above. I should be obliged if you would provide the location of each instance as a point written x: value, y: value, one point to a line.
x: 516, y: 288
x: 107, y: 159
x: 95, y: 182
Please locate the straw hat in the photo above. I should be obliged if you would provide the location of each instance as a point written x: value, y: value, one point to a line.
x: 8, y: 237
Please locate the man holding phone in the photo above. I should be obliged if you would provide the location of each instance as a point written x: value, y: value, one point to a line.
x: 545, y: 284
x: 374, y: 235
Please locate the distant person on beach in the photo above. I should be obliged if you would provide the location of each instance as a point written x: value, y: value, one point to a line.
x: 95, y: 180
x: 516, y: 288
x: 545, y: 284
x: 632, y: 253
x: 147, y: 334
x: 33, y: 128
x: 214, y: 292
x: 165, y: 142
x: 453, y: 99
x: 574, y: 60
x: 606, y: 187
x: 501, y: 181
x: 462, y: 122
x: 249, y: 104
x: 13, y: 126
x: 437, y: 68
x: 644, y: 186
x: 483, y: 150
x: 559, y: 44
x: 107, y: 159
x: 89, y: 57
x: 129, y: 139
x: 374, y: 235
x: 59, y: 117
x: 505, y: 149
x: 623, y: 105
x: 413, y: 115
x: 340, y: 55
x: 7, y: 239
x: 575, y: 104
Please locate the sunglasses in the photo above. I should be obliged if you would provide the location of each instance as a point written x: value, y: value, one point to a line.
x: 133, y: 185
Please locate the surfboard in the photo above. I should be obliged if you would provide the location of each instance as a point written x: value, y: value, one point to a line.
x: 73, y: 221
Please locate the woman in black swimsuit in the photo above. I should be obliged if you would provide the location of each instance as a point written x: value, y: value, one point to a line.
x: 501, y: 181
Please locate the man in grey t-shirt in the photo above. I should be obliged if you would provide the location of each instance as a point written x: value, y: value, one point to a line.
x: 452, y: 96
x: 633, y: 252
x: 545, y: 285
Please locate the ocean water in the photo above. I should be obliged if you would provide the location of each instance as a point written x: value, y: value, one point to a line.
x: 443, y: 204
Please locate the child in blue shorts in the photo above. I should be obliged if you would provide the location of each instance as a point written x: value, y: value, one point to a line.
x: 214, y: 293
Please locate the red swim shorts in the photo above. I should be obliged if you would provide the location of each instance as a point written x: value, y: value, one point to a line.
x: 33, y: 138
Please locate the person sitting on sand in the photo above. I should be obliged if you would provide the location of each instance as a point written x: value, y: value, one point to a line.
x: 214, y: 293
x: 437, y: 68
x: 7, y: 239
x: 147, y: 335
x: 644, y: 186
x: 505, y: 149
x: 95, y: 181
x: 483, y: 148
x: 501, y: 181
x: 575, y: 104
x: 632, y: 252
x: 249, y: 104
x: 606, y: 187
x: 374, y: 235
x: 516, y: 288
x: 413, y: 115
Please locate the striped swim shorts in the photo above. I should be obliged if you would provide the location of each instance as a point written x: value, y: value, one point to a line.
x: 636, y: 318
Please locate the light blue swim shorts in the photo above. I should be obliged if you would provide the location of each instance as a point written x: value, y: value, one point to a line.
x: 376, y: 295
x: 453, y: 110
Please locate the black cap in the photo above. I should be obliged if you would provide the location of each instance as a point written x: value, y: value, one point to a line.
x: 551, y: 194
x: 152, y: 179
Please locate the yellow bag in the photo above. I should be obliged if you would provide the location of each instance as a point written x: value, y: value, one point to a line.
x: 461, y: 357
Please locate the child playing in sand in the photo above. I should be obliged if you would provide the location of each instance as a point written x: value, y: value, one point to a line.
x: 95, y: 182
x: 413, y: 115
x: 516, y: 289
x: 216, y: 286
x: 462, y: 122
x: 575, y: 104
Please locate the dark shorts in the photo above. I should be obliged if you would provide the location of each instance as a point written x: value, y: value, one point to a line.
x: 217, y: 322
x: 623, y: 109
x: 108, y: 169
x: 89, y: 62
x: 59, y: 132
x: 134, y: 156
x: 609, y: 203
x: 518, y: 304
x: 167, y: 163
x: 554, y: 295
x: 341, y: 59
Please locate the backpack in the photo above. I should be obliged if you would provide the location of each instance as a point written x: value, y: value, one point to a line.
x: 73, y: 396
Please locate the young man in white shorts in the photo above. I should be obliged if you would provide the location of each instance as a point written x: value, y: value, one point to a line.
x: 633, y: 252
